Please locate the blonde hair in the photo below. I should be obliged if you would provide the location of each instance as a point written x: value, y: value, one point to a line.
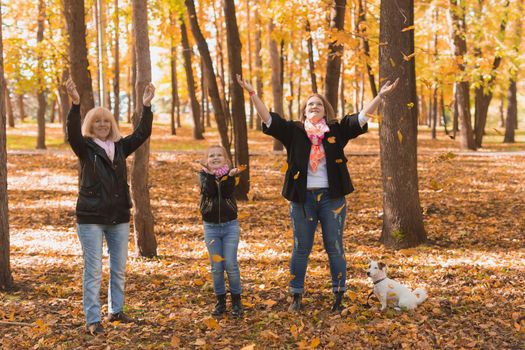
x: 224, y: 153
x: 92, y: 115
x: 328, y: 109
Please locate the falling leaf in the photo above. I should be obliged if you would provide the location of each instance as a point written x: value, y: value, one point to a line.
x: 412, y: 27
x: 319, y: 197
x: 400, y: 136
x: 217, y: 258
x: 392, y: 294
x: 497, y: 131
x: 372, y: 116
x: 331, y: 139
x: 284, y: 168
x: 392, y: 63
x: 224, y: 178
x: 241, y: 168
x: 237, y: 180
x: 296, y: 176
x: 410, y: 105
x: 338, y: 210
x: 289, y: 98
x: 338, y: 161
x: 408, y: 57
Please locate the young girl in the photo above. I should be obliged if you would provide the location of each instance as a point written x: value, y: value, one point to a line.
x: 221, y: 229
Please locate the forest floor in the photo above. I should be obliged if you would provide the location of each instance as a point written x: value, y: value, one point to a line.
x: 473, y: 266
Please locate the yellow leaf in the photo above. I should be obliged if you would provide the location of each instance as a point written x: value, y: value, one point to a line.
x: 406, y: 29
x: 294, y: 331
x: 392, y: 294
x: 296, y: 176
x: 409, y: 57
x: 319, y: 197
x: 269, y: 303
x: 211, y: 323
x: 410, y: 105
x: 284, y: 168
x: 392, y: 63
x: 400, y: 136
x: 338, y: 161
x: 198, y: 282
x: 315, y: 343
x: 331, y: 139
x: 372, y: 116
x: 224, y: 178
x: 289, y: 98
x: 175, y: 341
x: 351, y: 295
x: 217, y: 258
x: 12, y: 315
x: 241, y: 168
x: 237, y: 180
x: 338, y: 210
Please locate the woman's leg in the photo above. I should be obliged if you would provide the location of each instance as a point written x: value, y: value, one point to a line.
x: 213, y: 239
x: 117, y: 240
x: 230, y: 243
x: 304, y: 222
x: 332, y: 214
x: 90, y: 236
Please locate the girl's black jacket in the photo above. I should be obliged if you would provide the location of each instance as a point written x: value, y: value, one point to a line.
x: 104, y: 197
x: 218, y: 203
x: 298, y: 146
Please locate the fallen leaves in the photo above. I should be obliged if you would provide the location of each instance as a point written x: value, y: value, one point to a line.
x: 217, y: 258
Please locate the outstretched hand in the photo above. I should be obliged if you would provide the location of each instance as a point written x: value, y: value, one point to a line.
x: 72, y: 92
x: 149, y: 93
x: 244, y: 84
x: 388, y: 88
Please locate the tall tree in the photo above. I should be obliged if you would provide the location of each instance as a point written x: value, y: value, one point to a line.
x: 311, y: 63
x: 209, y: 74
x: 175, y: 101
x: 192, y: 93
x: 9, y: 106
x: 6, y: 279
x: 258, y: 63
x: 41, y: 97
x: 335, y: 52
x: 143, y: 221
x: 277, y: 86
x: 361, y: 24
x: 457, y: 11
x: 402, y: 220
x: 238, y: 112
x: 116, y: 64
x: 79, y: 65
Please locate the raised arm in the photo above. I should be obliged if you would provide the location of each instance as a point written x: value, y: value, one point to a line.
x: 372, y: 106
x: 73, y: 124
x: 259, y: 105
x: 143, y: 130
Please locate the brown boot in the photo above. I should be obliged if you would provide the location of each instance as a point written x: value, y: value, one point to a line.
x: 121, y: 317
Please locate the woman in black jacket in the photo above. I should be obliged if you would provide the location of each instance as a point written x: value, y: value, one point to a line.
x: 103, y: 205
x: 316, y: 180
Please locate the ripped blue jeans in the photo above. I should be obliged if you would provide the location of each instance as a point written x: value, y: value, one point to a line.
x: 331, y: 213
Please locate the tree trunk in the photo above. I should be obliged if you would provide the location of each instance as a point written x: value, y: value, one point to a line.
x: 52, y: 109
x: 501, y: 123
x: 258, y: 64
x: 249, y: 54
x: 76, y: 27
x: 512, y: 113
x: 6, y: 280
x: 311, y: 63
x: 64, y: 102
x: 342, y: 90
x: 335, y: 52
x: 9, y: 107
x: 434, y: 112
x: 203, y: 99
x: 174, y: 82
x: 277, y: 87
x: 194, y: 103
x: 143, y: 221
x: 462, y: 88
x: 402, y: 220
x: 21, y: 107
x: 116, y: 66
x: 366, y: 45
x: 238, y: 111
x: 41, y: 97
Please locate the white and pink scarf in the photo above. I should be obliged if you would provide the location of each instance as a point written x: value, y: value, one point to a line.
x: 108, y: 146
x: 316, y: 133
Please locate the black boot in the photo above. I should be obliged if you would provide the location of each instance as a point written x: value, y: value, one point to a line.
x: 337, y: 306
x: 220, y: 306
x: 296, y: 302
x: 237, y: 309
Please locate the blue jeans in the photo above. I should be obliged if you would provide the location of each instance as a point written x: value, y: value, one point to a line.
x: 331, y: 213
x: 91, y: 236
x: 222, y: 241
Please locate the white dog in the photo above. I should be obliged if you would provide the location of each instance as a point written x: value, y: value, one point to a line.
x: 387, y: 289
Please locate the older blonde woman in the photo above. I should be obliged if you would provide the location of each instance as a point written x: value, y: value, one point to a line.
x: 103, y: 205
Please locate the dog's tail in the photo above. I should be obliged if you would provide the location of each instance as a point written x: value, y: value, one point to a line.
x: 421, y: 295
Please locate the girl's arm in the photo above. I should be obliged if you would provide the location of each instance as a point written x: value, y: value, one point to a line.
x: 259, y: 105
x: 143, y: 130
x: 372, y: 106
x: 73, y: 124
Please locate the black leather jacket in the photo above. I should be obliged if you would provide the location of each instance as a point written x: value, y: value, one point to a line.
x: 103, y: 197
x: 218, y: 203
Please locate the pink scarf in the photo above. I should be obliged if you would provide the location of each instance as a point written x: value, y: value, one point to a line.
x: 223, y: 170
x: 316, y: 133
x: 108, y: 146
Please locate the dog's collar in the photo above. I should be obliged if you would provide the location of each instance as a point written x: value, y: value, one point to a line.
x: 381, y: 280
